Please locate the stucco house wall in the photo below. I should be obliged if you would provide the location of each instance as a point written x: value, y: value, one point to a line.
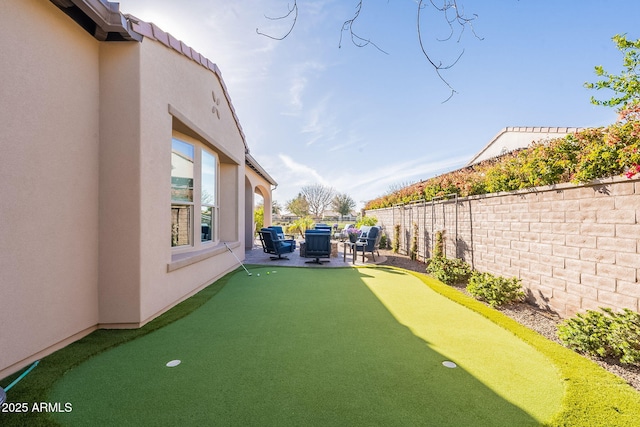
x: 49, y: 101
x: 87, y: 130
x: 176, y: 98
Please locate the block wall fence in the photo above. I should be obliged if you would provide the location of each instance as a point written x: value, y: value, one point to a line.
x: 575, y: 247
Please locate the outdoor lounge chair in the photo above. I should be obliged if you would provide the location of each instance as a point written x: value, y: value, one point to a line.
x: 369, y: 241
x: 271, y: 244
x: 287, y: 238
x: 317, y: 245
x: 324, y: 227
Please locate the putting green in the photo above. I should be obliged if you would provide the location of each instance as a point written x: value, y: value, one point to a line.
x: 305, y: 346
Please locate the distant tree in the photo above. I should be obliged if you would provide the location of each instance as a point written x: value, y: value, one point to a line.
x: 394, y: 188
x: 276, y: 208
x: 452, y: 14
x: 626, y: 85
x: 300, y: 225
x: 343, y: 204
x: 298, y: 206
x: 258, y: 216
x: 319, y: 198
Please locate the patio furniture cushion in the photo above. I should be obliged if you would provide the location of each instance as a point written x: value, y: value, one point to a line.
x: 324, y: 227
x: 369, y: 243
x: 318, y: 245
x: 271, y: 244
x: 287, y: 238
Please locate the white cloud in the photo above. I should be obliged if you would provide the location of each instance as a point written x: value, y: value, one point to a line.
x: 299, y: 174
x: 369, y: 183
x: 302, y: 73
x: 296, y: 90
x: 320, y: 122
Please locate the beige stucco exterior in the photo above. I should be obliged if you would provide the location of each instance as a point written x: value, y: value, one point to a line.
x: 85, y: 180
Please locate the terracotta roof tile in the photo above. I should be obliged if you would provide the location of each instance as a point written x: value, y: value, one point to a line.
x: 174, y: 43
x: 186, y: 50
x: 143, y: 28
x: 160, y: 35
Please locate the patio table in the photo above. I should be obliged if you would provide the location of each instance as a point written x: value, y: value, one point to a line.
x: 352, y: 247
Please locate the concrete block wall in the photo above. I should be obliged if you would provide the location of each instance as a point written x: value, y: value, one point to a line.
x: 575, y: 247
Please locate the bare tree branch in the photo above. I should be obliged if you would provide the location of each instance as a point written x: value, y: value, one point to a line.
x: 292, y: 9
x: 454, y: 16
x: 356, y: 39
x: 439, y: 66
x: 459, y: 18
x: 318, y: 198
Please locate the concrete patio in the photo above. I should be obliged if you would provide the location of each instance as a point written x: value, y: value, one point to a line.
x: 257, y: 256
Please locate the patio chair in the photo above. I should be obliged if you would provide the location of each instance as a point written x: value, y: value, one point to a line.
x: 324, y: 227
x: 271, y: 244
x: 205, y: 232
x: 369, y: 241
x: 287, y: 238
x: 317, y: 245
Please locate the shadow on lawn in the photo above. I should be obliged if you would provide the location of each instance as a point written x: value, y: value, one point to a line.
x: 294, y: 347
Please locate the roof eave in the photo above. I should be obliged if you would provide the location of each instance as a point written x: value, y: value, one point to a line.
x: 110, y: 24
x: 255, y: 166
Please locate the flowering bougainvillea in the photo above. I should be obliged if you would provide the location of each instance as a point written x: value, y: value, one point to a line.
x: 579, y: 157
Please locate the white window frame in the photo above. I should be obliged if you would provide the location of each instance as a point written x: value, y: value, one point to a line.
x: 196, y: 238
x: 213, y: 202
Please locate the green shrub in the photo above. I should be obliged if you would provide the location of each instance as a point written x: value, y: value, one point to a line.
x: 369, y: 221
x: 448, y: 270
x: 301, y: 225
x: 395, y: 246
x: 495, y: 290
x: 258, y: 218
x: 413, y: 252
x: 438, y: 250
x: 383, y: 241
x: 587, y: 333
x: 625, y: 336
x: 604, y: 333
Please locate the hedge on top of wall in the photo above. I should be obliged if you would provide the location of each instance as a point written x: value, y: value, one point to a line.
x: 579, y: 157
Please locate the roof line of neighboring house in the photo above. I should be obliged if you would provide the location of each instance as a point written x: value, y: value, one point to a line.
x: 103, y: 20
x: 528, y: 129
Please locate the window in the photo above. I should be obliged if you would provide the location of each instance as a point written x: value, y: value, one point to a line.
x: 208, y: 196
x: 182, y: 158
x: 194, y: 180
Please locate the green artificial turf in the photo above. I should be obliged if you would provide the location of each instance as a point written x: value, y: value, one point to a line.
x: 318, y: 347
x: 34, y: 388
x: 593, y: 397
x: 324, y: 346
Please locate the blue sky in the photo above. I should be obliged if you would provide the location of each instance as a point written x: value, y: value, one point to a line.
x: 360, y: 120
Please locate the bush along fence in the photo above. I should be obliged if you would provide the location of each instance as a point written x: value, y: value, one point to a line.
x: 604, y: 334
x: 575, y: 247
